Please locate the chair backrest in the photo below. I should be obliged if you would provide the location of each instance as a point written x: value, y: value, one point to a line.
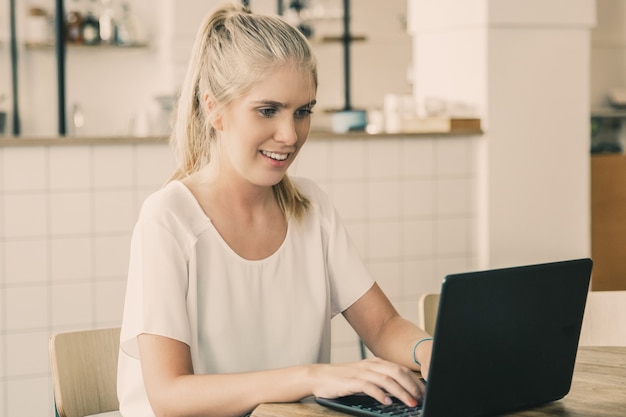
x: 84, y: 371
x: 428, y: 307
x: 605, y: 319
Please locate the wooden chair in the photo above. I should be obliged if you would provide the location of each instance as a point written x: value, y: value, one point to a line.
x: 604, y: 323
x: 84, y: 371
x: 428, y: 307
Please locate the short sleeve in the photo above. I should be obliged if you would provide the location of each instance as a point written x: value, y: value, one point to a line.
x: 348, y: 276
x: 157, y: 287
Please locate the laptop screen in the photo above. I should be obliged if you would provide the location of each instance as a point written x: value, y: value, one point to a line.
x: 506, y: 339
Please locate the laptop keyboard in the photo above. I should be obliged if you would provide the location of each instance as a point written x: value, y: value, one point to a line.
x: 365, y: 406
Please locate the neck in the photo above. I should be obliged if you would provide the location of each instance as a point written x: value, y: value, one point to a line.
x: 234, y: 191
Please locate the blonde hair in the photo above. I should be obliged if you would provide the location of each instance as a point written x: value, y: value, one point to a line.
x: 234, y: 49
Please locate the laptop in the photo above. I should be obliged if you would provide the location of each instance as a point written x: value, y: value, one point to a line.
x: 505, y: 340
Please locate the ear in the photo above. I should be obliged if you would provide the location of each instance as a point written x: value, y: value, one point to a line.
x: 214, y: 116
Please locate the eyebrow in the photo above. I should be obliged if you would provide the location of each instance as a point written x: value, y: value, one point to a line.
x: 279, y: 104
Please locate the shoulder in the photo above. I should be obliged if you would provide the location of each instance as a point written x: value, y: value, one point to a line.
x: 321, y: 204
x: 311, y: 190
x: 173, y: 206
x: 167, y: 199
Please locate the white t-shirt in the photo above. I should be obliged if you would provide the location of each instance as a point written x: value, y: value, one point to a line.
x: 186, y: 283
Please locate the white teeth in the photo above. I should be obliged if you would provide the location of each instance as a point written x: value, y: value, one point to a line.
x: 276, y: 156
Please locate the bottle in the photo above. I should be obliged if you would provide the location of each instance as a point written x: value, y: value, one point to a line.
x: 107, y: 22
x: 128, y: 31
x: 91, y: 25
x: 38, y: 30
x: 74, y: 24
x: 78, y: 120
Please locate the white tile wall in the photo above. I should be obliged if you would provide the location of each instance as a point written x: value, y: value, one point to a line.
x: 66, y: 214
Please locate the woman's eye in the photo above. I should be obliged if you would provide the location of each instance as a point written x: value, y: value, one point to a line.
x: 267, y: 112
x: 303, y: 113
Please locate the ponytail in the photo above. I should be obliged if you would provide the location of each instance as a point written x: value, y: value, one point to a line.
x: 234, y: 49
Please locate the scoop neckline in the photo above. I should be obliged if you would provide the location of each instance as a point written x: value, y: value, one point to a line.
x: 221, y: 239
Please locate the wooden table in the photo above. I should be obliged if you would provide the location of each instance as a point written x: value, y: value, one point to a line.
x: 598, y: 389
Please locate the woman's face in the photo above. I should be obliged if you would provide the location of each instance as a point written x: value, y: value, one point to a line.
x: 261, y: 133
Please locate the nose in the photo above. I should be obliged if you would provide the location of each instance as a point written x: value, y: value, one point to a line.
x: 286, y: 131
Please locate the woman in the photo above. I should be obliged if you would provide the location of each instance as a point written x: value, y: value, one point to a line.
x: 236, y: 270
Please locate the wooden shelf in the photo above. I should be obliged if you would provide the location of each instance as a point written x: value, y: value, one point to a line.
x: 31, y: 45
x: 339, y: 38
x: 608, y: 113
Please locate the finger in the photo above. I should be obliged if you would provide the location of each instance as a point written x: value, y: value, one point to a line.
x: 398, y: 381
x: 422, y: 387
x: 376, y: 393
x: 392, y: 387
x: 420, y: 384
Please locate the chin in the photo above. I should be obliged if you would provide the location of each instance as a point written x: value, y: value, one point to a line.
x: 270, y: 181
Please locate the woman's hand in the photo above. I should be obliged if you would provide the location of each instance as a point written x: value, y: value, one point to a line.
x: 377, y: 378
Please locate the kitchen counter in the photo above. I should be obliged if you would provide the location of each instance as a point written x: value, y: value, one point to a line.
x: 119, y: 140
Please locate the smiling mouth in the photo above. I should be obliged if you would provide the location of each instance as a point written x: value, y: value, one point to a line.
x: 275, y: 156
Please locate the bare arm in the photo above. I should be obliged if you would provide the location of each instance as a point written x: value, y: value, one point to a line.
x: 174, y: 390
x: 388, y: 335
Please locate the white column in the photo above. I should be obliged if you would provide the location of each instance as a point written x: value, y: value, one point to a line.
x: 525, y: 65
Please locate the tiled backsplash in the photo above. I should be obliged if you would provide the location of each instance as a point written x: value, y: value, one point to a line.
x: 67, y: 212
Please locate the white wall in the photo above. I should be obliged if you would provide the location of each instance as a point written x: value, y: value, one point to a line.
x: 608, y: 50
x: 525, y: 64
